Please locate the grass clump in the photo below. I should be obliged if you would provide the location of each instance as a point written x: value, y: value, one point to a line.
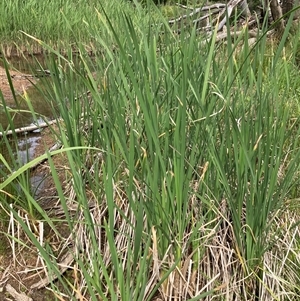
x: 181, y: 165
x: 60, y: 24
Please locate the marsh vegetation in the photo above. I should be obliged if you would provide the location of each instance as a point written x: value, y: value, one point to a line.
x: 176, y: 171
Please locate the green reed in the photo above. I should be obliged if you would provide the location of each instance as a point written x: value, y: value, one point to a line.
x: 183, y: 146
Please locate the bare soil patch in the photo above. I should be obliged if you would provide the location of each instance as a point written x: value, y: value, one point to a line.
x: 20, y: 81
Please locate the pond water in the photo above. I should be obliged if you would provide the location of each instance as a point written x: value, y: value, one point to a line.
x: 23, y: 80
x: 18, y: 151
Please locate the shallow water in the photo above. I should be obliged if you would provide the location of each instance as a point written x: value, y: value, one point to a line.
x: 18, y: 152
x: 26, y: 148
x: 23, y: 151
x: 17, y: 107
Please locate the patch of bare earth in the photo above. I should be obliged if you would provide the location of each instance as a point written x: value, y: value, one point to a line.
x: 20, y: 81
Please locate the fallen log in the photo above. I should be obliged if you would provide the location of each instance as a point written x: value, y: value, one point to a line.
x: 208, y: 17
x: 29, y: 128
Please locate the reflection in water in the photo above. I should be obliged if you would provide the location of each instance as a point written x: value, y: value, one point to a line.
x: 19, y: 112
x: 15, y: 113
x: 17, y: 153
x: 13, y: 110
x: 26, y: 149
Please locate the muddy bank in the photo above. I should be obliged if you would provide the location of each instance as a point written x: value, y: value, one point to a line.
x: 20, y: 81
x: 16, y: 107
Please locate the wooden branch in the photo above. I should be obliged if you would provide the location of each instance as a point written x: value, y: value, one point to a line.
x: 63, y: 266
x: 184, y: 6
x: 40, y: 73
x: 223, y: 21
x: 207, y: 21
x: 224, y: 35
x: 29, y: 128
x: 17, y: 296
x: 277, y: 16
x: 203, y: 8
x: 230, y: 6
x: 213, y: 9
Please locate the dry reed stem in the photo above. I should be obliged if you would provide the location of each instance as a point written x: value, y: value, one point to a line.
x: 220, y: 270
